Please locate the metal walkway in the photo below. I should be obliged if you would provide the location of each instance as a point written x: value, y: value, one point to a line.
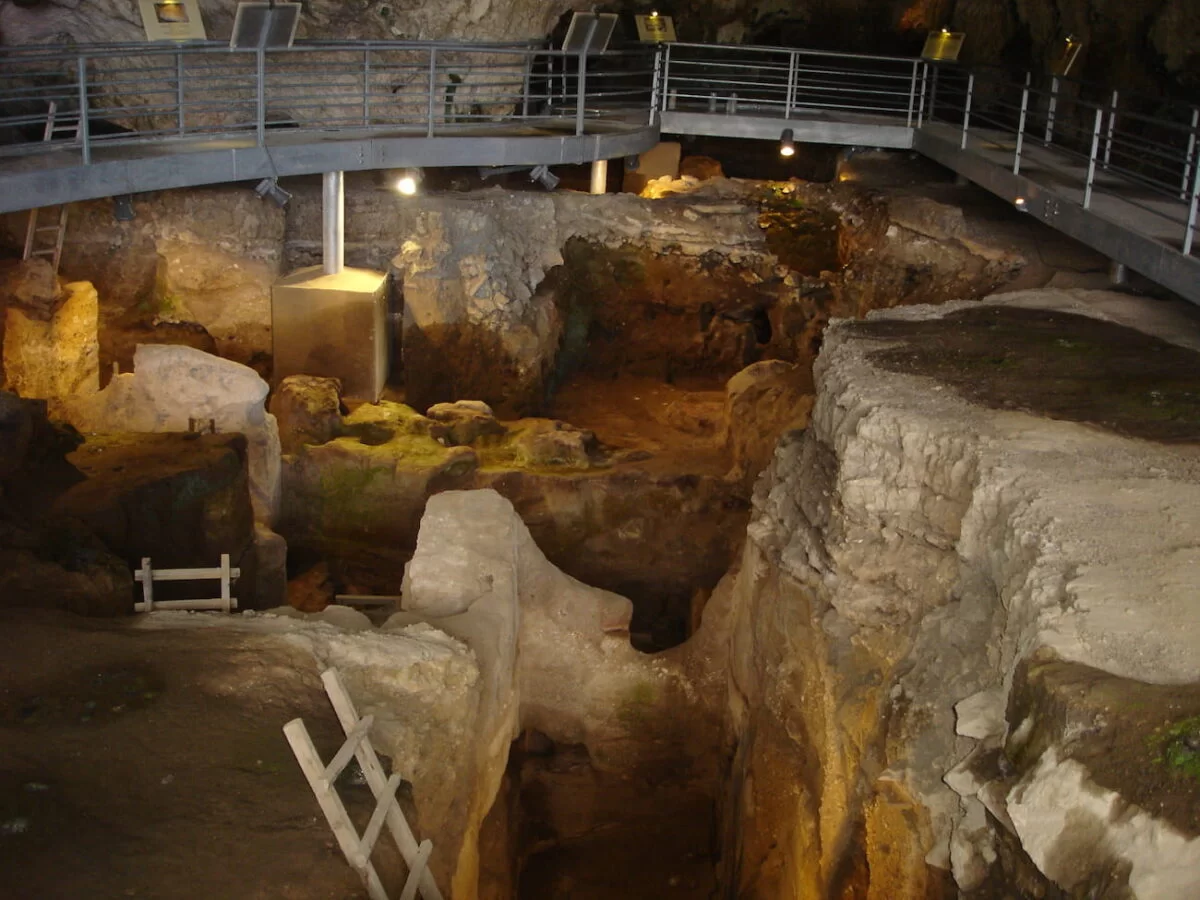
x: 1119, y: 173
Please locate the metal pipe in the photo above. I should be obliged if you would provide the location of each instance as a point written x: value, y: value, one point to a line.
x: 924, y: 85
x: 599, y: 176
x: 1021, y: 124
x: 366, y: 106
x: 180, y: 122
x: 85, y: 133
x: 1091, y: 173
x: 1191, y: 154
x: 1050, y: 110
x: 432, y: 86
x: 333, y: 222
x: 580, y: 91
x: 912, y: 96
x: 655, y: 86
x: 1112, y: 121
x: 1190, y: 234
x: 667, y: 72
x: 967, y: 110
x: 261, y: 95
x: 791, y: 87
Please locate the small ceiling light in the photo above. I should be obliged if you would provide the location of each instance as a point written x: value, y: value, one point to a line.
x: 1020, y: 204
x: 409, y: 182
x: 787, y: 145
x: 269, y: 189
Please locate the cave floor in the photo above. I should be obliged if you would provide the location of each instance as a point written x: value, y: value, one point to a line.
x: 151, y: 763
x: 597, y: 835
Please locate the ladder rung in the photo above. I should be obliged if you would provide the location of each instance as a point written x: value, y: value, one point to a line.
x: 384, y: 804
x: 47, y: 252
x: 342, y: 758
x: 41, y: 228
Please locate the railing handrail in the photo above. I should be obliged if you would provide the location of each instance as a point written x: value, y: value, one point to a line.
x: 767, y: 48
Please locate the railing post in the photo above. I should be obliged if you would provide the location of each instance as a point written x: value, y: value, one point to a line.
x: 1050, y: 111
x: 924, y: 86
x: 1190, y: 234
x: 933, y: 86
x: 1091, y: 173
x: 581, y: 91
x: 85, y: 132
x: 432, y: 90
x: 1191, y: 155
x: 912, y: 96
x: 526, y: 86
x: 790, y: 96
x: 1021, y: 124
x: 260, y: 81
x: 1108, y: 140
x: 656, y: 85
x: 666, y: 76
x: 967, y: 110
x: 366, y: 106
x: 179, y: 96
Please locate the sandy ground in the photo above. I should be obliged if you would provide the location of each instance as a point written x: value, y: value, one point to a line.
x: 151, y: 764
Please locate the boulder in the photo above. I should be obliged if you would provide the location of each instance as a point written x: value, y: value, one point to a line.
x: 463, y: 422
x: 544, y: 442
x: 308, y: 409
x: 55, y: 359
x: 32, y: 285
x: 67, y: 569
x: 312, y: 590
x: 270, y: 573
x: 182, y: 389
x: 762, y: 402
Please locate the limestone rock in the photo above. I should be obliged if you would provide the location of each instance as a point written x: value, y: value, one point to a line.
x: 180, y: 389
x: 463, y: 422
x: 762, y: 402
x: 943, y: 548
x: 311, y: 591
x: 701, y: 168
x: 545, y: 442
x: 308, y: 410
x: 56, y: 360
x: 16, y: 430
x: 32, y: 285
x: 180, y: 500
x: 270, y: 574
x: 71, y: 571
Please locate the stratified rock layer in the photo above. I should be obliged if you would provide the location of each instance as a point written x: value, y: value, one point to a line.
x: 913, y: 557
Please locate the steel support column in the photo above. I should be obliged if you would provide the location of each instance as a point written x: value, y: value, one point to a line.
x: 333, y: 221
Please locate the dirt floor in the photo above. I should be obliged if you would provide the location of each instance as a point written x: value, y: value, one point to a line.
x: 151, y: 763
x: 1053, y: 364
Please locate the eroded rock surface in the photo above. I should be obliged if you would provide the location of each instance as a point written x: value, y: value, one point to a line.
x: 182, y: 389
x: 910, y: 556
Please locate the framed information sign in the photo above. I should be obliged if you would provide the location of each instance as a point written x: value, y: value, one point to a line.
x: 944, y: 45
x: 655, y: 29
x: 172, y: 20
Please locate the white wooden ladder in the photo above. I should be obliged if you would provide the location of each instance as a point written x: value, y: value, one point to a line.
x: 321, y: 779
x: 47, y: 240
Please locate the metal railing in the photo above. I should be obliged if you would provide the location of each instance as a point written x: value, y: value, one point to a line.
x: 1143, y: 150
x: 788, y: 82
x: 122, y: 94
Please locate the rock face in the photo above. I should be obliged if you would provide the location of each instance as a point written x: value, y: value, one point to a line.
x: 183, y: 501
x: 55, y: 359
x: 182, y: 389
x: 763, y: 401
x: 308, y: 410
x: 927, y: 581
x: 554, y: 654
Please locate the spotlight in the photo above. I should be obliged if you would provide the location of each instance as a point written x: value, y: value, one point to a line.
x: 945, y: 30
x: 269, y: 189
x: 544, y: 177
x: 409, y: 182
x: 787, y: 146
x: 1020, y: 204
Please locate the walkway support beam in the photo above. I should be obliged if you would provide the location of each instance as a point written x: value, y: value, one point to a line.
x: 599, y: 176
x: 333, y: 221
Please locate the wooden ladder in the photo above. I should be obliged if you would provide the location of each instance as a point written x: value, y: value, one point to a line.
x: 321, y: 779
x: 47, y: 240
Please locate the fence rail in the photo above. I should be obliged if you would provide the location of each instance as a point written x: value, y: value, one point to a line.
x: 122, y: 94
x: 1144, y: 150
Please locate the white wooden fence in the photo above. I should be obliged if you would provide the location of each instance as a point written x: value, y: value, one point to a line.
x: 321, y: 779
x: 147, y: 575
